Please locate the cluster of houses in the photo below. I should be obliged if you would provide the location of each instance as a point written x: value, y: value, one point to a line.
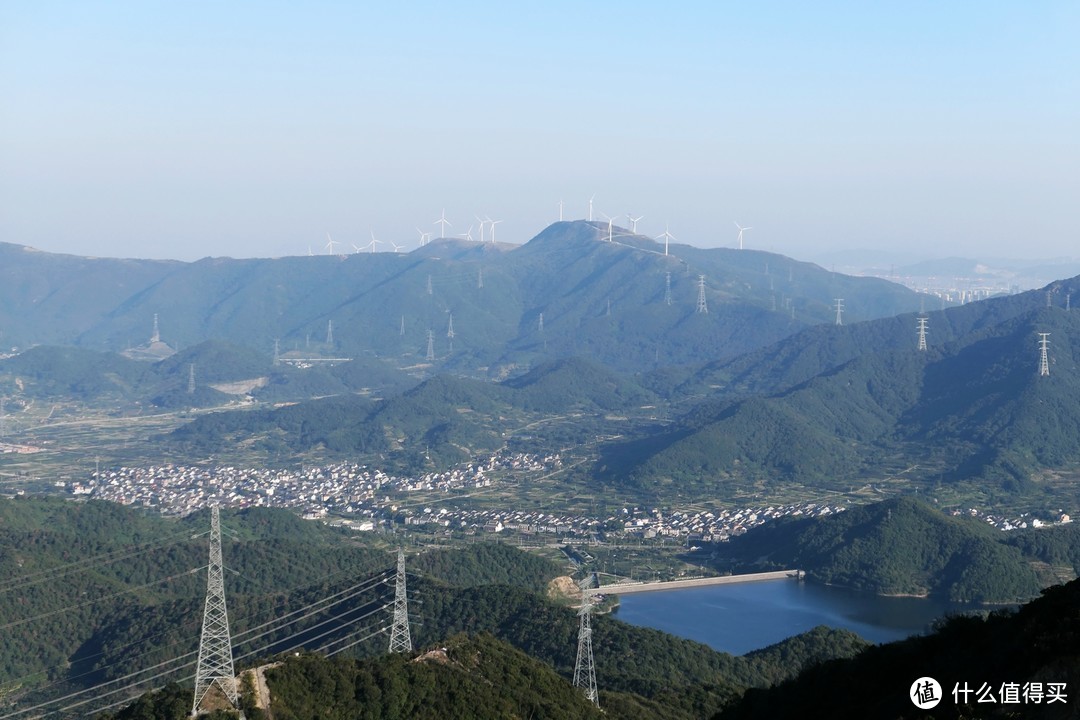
x: 1024, y: 521
x: 363, y: 497
x: 689, y: 527
x: 340, y: 489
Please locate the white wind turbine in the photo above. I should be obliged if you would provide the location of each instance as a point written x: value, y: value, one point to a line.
x: 741, y: 230
x: 493, y: 223
x: 634, y: 221
x: 358, y: 248
x: 590, y: 206
x: 397, y: 248
x: 467, y: 235
x: 560, y: 210
x: 666, y: 236
x: 374, y: 242
x: 482, y: 224
x: 610, y: 220
x: 444, y: 222
x: 331, y: 242
x: 424, y: 237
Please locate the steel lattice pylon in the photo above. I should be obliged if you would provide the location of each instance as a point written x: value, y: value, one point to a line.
x: 400, y: 641
x: 584, y: 669
x: 215, y: 665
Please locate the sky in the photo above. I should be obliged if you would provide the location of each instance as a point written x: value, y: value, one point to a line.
x: 254, y: 129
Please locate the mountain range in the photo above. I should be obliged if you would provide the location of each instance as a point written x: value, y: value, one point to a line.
x: 598, y: 299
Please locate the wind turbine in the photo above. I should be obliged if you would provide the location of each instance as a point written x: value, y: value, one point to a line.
x: 741, y: 229
x: 560, y: 210
x: 609, y: 221
x: 633, y: 222
x: 467, y: 235
x: 482, y: 223
x: 444, y: 222
x: 358, y: 248
x: 397, y: 248
x: 331, y: 242
x: 374, y: 242
x: 590, y: 206
x: 666, y: 236
x: 424, y: 237
x: 493, y: 223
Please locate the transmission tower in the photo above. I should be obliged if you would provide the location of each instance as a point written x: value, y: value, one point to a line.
x: 1049, y: 299
x: 430, y: 345
x: 839, y: 311
x: 3, y: 418
x: 277, y: 351
x: 1044, y: 360
x: 480, y: 279
x: 540, y: 325
x: 1068, y: 300
x: 450, y: 332
x: 584, y: 669
x: 215, y: 666
x: 667, y: 288
x: 609, y: 307
x: 702, y: 306
x: 922, y: 333
x: 329, y: 332
x: 156, y: 336
x: 191, y: 379
x: 400, y: 641
x: 428, y: 284
x: 402, y: 331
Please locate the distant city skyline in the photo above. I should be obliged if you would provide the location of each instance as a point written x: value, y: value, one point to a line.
x: 184, y: 131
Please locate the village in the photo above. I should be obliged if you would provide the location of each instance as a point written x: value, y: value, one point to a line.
x: 363, y: 499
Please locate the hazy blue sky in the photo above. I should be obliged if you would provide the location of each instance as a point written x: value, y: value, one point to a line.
x: 185, y: 129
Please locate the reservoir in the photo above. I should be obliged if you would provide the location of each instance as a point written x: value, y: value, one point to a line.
x: 742, y: 617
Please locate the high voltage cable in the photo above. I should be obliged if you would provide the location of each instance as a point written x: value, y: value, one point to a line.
x: 308, y: 629
x: 370, y: 582
x: 128, y: 658
x: 99, y: 686
x: 366, y: 585
x: 16, y: 623
x: 322, y: 650
x: 239, y: 657
x: 103, y: 559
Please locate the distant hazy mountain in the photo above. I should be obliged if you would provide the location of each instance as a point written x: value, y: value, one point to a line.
x: 221, y: 371
x: 843, y: 403
x: 604, y: 300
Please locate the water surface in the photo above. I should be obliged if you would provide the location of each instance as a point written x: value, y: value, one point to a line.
x: 747, y: 616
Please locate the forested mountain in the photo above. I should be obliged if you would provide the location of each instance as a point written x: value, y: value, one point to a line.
x: 599, y: 299
x: 94, y: 592
x: 975, y: 406
x: 898, y: 547
x: 445, y: 419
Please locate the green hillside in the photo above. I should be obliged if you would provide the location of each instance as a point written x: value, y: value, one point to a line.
x: 895, y: 547
x: 444, y: 419
x: 973, y: 408
x: 96, y: 591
